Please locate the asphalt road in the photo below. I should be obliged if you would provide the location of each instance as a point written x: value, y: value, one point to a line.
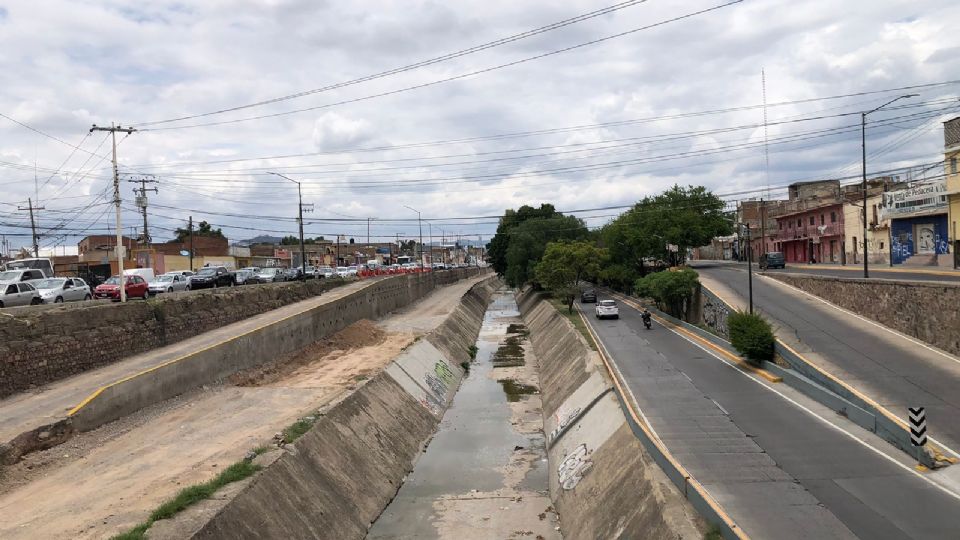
x: 893, y: 371
x: 780, y: 471
x: 856, y: 271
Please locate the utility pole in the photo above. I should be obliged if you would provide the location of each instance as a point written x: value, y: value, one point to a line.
x: 300, y: 205
x: 33, y: 226
x: 420, y: 224
x: 141, y: 199
x: 750, y: 267
x: 763, y: 228
x: 190, y: 228
x: 116, y: 201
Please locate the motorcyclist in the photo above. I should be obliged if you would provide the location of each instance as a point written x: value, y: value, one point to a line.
x: 645, y: 315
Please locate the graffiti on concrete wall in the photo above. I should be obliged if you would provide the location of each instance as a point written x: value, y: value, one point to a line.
x: 438, y: 382
x: 573, y: 467
x: 563, y: 420
x: 715, y: 314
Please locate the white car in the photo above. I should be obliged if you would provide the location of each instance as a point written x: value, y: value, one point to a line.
x: 343, y: 271
x: 18, y: 294
x: 325, y: 272
x: 607, y: 309
x: 169, y: 283
x: 59, y: 290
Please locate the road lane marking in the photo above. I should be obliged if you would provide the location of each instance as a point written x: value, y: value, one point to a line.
x: 866, y: 444
x: 634, y: 409
x: 720, y: 406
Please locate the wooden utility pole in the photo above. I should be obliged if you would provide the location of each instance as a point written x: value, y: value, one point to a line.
x: 116, y: 201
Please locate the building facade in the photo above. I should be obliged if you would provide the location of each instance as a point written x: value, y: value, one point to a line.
x: 919, y: 224
x: 810, y: 223
x: 951, y: 155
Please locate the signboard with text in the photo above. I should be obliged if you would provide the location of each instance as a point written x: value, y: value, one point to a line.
x: 919, y: 198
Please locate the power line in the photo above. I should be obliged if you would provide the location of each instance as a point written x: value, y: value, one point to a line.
x: 409, y: 67
x: 456, y: 77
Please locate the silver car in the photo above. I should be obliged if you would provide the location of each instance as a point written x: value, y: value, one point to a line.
x: 59, y: 290
x: 269, y: 275
x: 169, y: 283
x: 18, y: 294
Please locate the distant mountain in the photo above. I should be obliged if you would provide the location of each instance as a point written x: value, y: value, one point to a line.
x: 263, y: 239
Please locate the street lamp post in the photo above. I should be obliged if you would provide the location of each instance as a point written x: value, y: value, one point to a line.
x: 303, y: 250
x: 420, y: 224
x: 863, y: 148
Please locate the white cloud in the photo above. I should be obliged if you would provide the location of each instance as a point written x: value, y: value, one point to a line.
x: 67, y: 65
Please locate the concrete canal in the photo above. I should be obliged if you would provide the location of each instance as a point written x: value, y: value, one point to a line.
x: 484, y: 474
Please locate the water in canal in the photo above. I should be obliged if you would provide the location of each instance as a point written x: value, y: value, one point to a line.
x: 484, y: 474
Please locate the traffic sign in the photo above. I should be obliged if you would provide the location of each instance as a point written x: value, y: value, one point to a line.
x: 918, y: 426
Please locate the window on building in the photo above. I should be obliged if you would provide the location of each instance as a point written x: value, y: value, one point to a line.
x: 821, y: 219
x: 780, y: 225
x: 833, y: 217
x: 813, y: 220
x: 874, y: 222
x: 799, y: 223
x: 953, y: 165
x: 881, y: 246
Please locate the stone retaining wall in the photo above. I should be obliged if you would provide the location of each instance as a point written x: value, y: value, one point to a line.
x: 42, y: 344
x: 929, y: 312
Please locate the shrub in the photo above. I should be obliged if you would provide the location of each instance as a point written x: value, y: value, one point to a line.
x: 671, y: 290
x: 751, y: 335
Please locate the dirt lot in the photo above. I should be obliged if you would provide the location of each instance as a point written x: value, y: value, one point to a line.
x: 103, y: 482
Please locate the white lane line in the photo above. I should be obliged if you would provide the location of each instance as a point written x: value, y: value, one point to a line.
x: 824, y: 420
x: 866, y: 320
x: 719, y: 406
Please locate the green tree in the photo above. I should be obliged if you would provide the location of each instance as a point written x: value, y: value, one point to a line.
x: 671, y: 290
x: 565, y: 264
x: 620, y: 277
x: 684, y: 216
x: 529, y: 240
x: 511, y: 219
x: 203, y: 229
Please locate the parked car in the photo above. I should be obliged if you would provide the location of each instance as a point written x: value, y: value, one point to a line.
x: 184, y: 273
x: 212, y: 277
x: 270, y: 275
x: 772, y: 259
x: 608, y: 309
x: 244, y: 277
x: 311, y: 272
x: 59, y: 290
x: 325, y: 272
x: 352, y: 270
x: 169, y: 283
x: 135, y: 287
x: 18, y: 275
x: 253, y: 269
x: 18, y: 294
x: 292, y: 274
x: 588, y: 297
x: 343, y: 272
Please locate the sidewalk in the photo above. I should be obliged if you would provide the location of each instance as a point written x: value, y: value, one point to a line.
x: 30, y: 410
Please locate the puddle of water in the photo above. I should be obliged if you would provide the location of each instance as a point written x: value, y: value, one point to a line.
x: 474, y: 442
x: 515, y: 390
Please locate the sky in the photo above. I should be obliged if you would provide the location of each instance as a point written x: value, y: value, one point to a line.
x: 594, y: 114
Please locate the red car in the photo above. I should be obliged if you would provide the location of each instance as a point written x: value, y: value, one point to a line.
x: 136, y: 287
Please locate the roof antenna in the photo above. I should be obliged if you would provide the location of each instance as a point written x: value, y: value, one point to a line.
x: 766, y: 149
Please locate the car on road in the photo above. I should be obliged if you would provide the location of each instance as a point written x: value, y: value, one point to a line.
x: 212, y: 277
x: 588, y: 297
x: 292, y: 274
x: 59, y: 290
x: 772, y: 259
x: 607, y: 309
x: 20, y: 274
x: 343, y: 272
x: 270, y: 275
x: 18, y: 294
x: 165, y: 283
x: 352, y: 270
x: 134, y: 286
x: 325, y: 272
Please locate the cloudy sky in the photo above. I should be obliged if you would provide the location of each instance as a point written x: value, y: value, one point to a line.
x: 675, y: 99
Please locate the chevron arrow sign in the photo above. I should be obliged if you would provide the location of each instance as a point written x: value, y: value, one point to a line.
x: 918, y: 426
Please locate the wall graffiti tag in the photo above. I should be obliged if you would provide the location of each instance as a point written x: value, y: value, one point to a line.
x: 573, y: 467
x: 715, y: 314
x: 563, y: 422
x: 438, y: 384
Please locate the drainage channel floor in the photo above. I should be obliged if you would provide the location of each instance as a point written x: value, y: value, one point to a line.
x: 484, y: 474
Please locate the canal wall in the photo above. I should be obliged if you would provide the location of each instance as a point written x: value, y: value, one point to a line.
x: 603, y: 482
x: 336, y: 479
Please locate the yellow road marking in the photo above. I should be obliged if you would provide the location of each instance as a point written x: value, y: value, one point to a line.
x: 103, y: 388
x: 690, y: 480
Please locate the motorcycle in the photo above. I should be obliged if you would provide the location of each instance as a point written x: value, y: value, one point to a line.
x: 646, y: 320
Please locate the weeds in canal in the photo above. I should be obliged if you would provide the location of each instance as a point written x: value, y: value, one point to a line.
x: 191, y: 495
x: 713, y: 533
x: 473, y: 352
x: 295, y: 430
x: 510, y: 354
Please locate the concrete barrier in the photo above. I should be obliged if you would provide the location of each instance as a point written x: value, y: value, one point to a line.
x: 336, y: 479
x: 603, y: 481
x: 240, y: 352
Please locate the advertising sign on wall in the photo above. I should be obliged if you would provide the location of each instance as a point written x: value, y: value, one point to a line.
x: 920, y: 198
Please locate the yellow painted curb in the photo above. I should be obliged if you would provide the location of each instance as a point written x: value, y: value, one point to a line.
x: 690, y: 480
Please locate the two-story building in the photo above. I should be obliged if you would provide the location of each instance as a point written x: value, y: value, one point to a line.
x: 810, y: 223
x: 919, y: 223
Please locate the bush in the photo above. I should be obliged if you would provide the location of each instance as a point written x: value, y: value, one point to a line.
x: 671, y: 290
x: 751, y: 335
